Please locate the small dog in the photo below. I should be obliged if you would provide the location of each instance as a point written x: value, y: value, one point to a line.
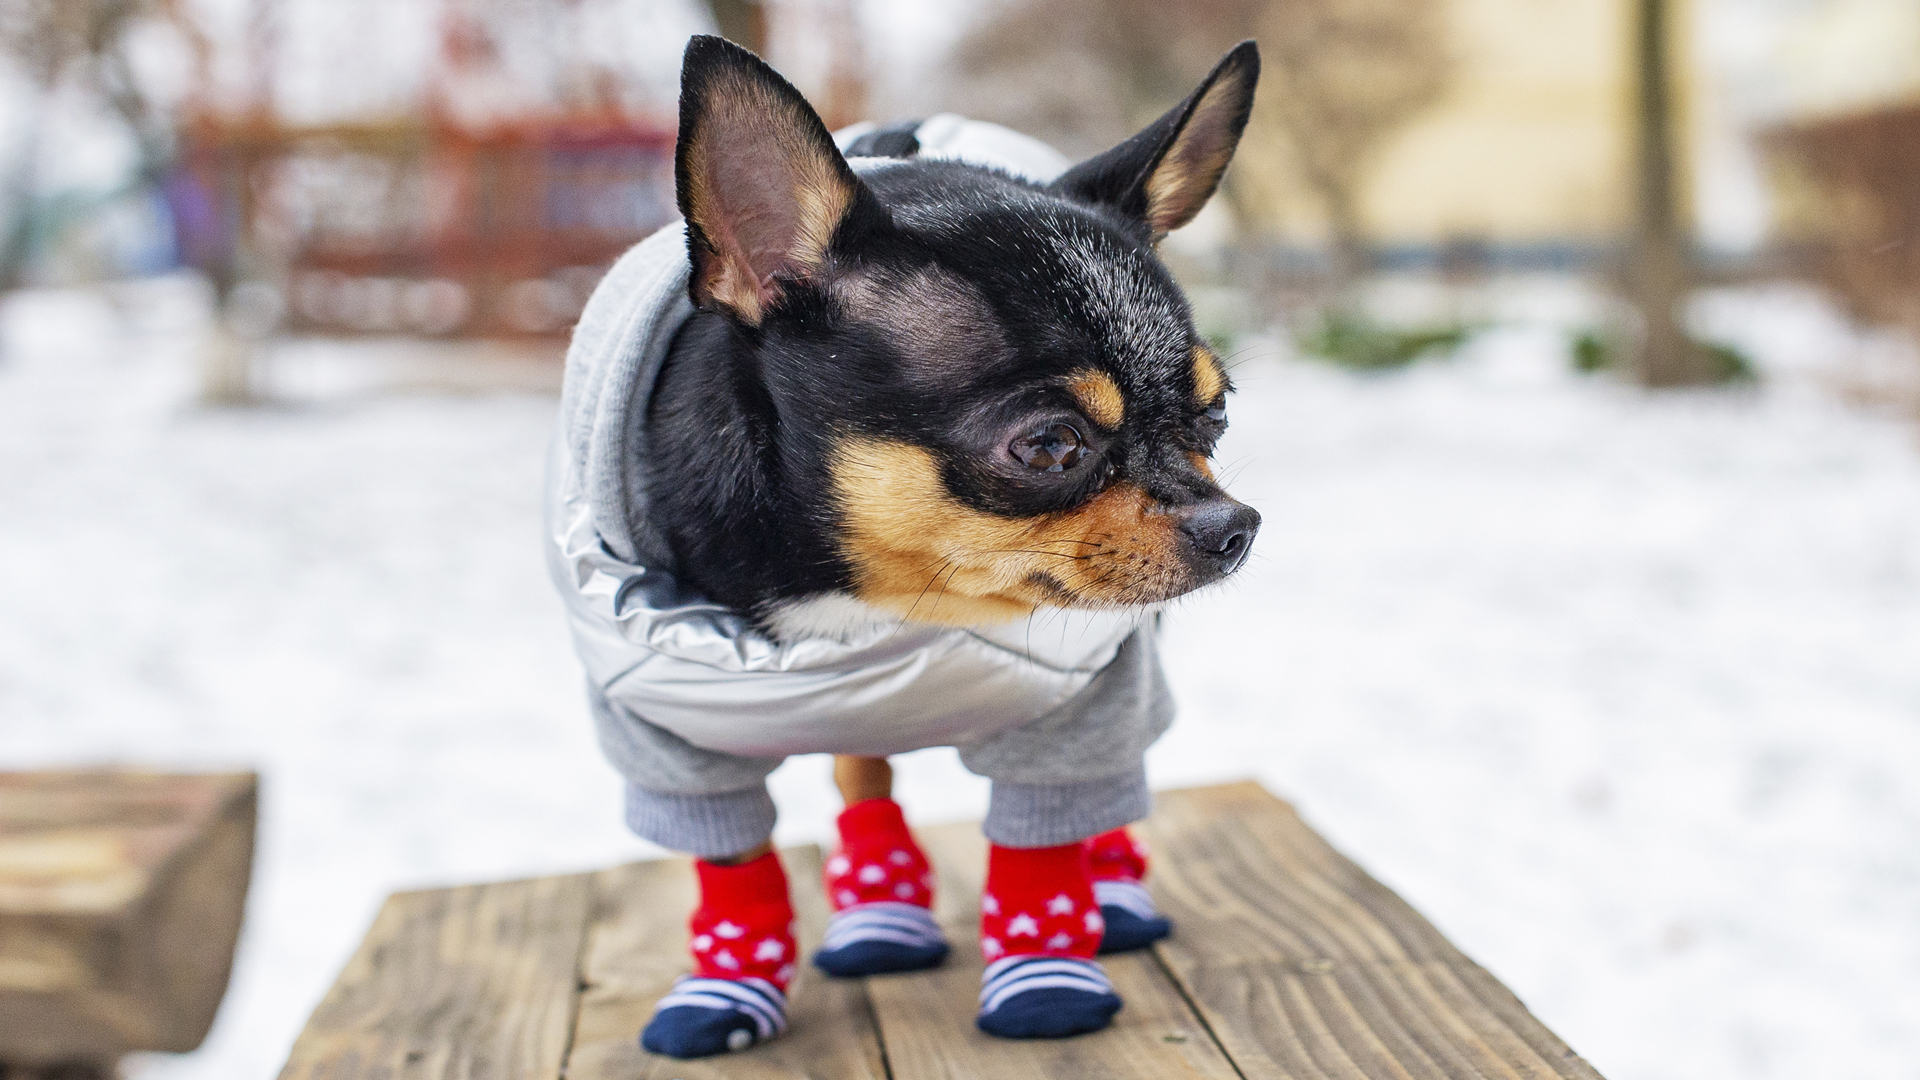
x: 870, y: 407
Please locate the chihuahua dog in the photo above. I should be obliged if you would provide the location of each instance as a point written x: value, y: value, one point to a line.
x: 831, y: 449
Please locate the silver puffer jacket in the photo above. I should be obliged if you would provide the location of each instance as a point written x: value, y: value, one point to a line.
x: 660, y: 653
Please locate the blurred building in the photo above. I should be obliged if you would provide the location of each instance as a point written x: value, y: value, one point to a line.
x: 1526, y: 156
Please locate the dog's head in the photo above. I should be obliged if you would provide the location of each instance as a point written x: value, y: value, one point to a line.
x: 996, y: 385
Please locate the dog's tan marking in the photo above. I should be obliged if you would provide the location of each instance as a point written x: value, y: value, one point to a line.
x: 918, y: 552
x: 1209, y: 380
x: 1201, y: 463
x: 763, y: 142
x: 1099, y: 397
x: 1187, y: 176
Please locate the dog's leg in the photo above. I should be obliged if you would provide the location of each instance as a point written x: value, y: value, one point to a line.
x: 878, y: 881
x: 743, y: 958
x: 862, y: 778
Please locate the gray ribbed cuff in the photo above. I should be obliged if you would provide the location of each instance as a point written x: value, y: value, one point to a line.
x: 1047, y: 815
x: 706, y: 826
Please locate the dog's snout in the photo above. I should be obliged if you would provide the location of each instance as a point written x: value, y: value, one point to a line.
x: 1221, y: 531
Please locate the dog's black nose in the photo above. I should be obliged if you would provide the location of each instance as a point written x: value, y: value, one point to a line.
x: 1221, y: 531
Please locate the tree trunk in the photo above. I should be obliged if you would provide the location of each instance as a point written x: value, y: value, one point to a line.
x: 1659, y: 271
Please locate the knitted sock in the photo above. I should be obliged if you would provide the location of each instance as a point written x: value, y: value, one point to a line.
x: 1118, y: 863
x: 1039, y: 930
x: 742, y: 962
x: 881, y: 889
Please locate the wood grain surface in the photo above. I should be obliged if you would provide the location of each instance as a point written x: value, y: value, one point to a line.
x: 1288, y: 961
x: 474, y: 983
x: 1305, y: 967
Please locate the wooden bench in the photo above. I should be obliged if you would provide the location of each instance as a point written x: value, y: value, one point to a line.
x: 1287, y: 961
x: 121, y: 894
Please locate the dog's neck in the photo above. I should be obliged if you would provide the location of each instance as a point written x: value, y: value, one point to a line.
x: 836, y: 616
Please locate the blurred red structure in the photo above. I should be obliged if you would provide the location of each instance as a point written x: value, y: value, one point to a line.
x: 437, y: 224
x: 424, y: 228
x: 1852, y: 204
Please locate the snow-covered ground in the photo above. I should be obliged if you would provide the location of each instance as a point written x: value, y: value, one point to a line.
x: 1622, y: 691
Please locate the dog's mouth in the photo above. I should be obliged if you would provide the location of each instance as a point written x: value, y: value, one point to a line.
x: 917, y: 552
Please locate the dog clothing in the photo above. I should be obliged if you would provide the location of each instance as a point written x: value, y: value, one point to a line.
x: 1040, y: 927
x: 881, y: 888
x: 743, y: 958
x: 695, y: 706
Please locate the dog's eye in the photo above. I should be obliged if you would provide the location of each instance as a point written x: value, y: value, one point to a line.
x: 1217, y: 412
x: 1055, y: 448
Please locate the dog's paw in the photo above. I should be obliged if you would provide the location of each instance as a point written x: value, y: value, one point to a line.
x: 1132, y: 922
x: 881, y: 939
x: 1045, y: 997
x: 704, y: 1017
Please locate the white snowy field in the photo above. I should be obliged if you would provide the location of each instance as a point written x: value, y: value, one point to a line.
x: 1622, y: 691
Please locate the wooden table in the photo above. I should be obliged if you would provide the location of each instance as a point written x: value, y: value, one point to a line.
x: 1287, y: 961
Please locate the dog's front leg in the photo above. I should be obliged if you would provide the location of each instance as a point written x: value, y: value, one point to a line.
x: 862, y: 778
x: 878, y: 881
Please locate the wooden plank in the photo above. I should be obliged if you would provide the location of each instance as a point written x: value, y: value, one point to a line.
x: 638, y: 946
x: 472, y: 983
x: 121, y: 894
x: 926, y: 1019
x: 1306, y: 967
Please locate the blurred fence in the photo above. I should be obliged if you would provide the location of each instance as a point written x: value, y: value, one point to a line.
x: 419, y: 226
x: 1849, y: 188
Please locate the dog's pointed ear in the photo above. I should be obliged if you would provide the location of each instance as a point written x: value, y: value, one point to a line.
x: 1167, y: 172
x: 758, y: 179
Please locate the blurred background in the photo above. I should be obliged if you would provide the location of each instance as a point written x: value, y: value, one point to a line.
x: 1576, y: 348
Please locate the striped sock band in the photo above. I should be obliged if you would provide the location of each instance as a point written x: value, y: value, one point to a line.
x: 1128, y: 896
x: 883, y: 920
x: 1015, y: 975
x: 758, y: 999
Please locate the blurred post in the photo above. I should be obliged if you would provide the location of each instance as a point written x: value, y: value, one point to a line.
x: 1660, y: 259
x: 845, y: 99
x: 743, y: 22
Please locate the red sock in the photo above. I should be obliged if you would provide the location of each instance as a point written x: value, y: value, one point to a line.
x: 1039, y: 902
x: 1116, y: 856
x: 744, y: 926
x: 877, y: 859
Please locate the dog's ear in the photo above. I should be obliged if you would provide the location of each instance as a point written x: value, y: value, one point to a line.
x: 1167, y: 172
x: 758, y: 179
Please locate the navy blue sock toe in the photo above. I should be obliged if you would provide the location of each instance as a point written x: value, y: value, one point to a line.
x: 1127, y: 931
x: 1045, y: 997
x: 690, y: 1031
x: 704, y: 1017
x: 1050, y: 1014
x: 878, y: 958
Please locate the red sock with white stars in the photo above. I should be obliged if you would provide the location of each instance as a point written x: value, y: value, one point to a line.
x: 1116, y: 856
x: 744, y: 925
x: 877, y: 859
x: 743, y: 958
x: 1039, y: 930
x: 1118, y: 863
x: 1039, y: 901
x: 881, y: 889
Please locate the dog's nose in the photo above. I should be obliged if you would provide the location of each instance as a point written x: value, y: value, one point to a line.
x: 1221, y: 531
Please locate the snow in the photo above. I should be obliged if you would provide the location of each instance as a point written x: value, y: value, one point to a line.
x: 1621, y: 690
